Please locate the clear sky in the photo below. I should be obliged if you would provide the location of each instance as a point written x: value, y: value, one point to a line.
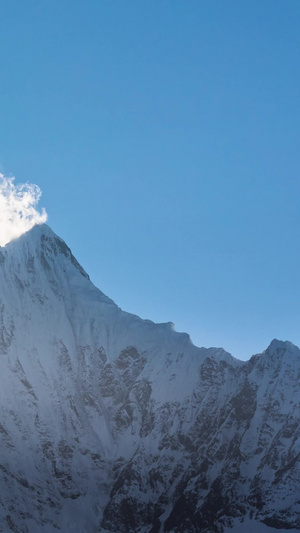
x: 165, y: 138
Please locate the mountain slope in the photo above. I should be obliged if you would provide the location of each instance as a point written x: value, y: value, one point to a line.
x: 116, y: 424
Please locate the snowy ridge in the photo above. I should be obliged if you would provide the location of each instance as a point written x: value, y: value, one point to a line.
x: 113, y: 423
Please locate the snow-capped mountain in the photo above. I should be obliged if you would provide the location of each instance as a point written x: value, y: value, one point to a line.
x: 111, y: 423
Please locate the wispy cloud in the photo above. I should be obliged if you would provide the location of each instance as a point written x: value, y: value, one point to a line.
x: 18, y: 212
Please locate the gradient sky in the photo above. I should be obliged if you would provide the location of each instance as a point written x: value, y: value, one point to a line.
x: 165, y: 138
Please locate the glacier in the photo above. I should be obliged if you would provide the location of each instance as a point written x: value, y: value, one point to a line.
x: 112, y: 423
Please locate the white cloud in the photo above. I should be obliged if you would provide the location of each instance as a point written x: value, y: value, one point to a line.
x: 18, y: 212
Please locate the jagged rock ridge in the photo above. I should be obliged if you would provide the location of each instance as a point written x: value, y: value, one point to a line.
x: 115, y: 424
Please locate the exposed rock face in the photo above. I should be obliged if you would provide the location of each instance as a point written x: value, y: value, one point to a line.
x: 111, y: 423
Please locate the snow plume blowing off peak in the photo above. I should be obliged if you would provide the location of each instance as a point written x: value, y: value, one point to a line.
x: 18, y: 212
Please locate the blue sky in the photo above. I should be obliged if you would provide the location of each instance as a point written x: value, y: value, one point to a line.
x: 165, y: 138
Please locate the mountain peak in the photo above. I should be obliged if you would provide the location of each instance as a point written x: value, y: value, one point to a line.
x: 114, y: 423
x: 32, y: 237
x: 281, y: 347
x: 41, y: 241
